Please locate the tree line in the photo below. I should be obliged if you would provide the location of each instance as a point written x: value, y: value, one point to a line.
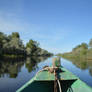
x: 83, y: 50
x: 12, y: 45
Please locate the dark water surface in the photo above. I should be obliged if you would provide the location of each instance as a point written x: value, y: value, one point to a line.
x: 16, y: 72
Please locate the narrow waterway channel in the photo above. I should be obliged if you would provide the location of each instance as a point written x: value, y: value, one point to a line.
x: 15, y: 73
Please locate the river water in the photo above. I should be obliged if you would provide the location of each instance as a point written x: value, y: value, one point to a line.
x: 16, y: 72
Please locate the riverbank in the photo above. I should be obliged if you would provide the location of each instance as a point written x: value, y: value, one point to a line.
x: 72, y: 55
x: 13, y: 46
x: 82, y: 51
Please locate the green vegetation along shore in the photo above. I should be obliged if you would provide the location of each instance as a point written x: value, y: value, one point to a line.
x: 12, y: 46
x: 82, y: 52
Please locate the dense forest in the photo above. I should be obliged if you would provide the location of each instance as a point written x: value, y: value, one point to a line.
x: 82, y: 51
x: 12, y: 46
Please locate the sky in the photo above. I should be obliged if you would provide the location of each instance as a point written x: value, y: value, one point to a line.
x: 58, y: 25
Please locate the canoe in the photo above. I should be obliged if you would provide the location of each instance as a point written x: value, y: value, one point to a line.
x: 44, y: 82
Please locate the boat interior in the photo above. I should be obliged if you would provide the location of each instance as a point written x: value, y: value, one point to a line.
x: 48, y: 86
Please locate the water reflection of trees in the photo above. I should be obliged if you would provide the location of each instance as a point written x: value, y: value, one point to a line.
x: 31, y: 62
x: 10, y: 67
x: 83, y: 64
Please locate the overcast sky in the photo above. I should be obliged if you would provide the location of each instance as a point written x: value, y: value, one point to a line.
x: 58, y: 25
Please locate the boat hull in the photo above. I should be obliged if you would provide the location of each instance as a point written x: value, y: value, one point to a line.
x: 44, y: 82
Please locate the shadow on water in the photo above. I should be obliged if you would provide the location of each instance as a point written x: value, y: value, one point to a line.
x: 10, y: 67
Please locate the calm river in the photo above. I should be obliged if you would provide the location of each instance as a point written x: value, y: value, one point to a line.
x: 16, y: 72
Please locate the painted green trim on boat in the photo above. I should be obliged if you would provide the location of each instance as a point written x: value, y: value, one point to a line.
x: 44, y: 82
x: 25, y: 85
